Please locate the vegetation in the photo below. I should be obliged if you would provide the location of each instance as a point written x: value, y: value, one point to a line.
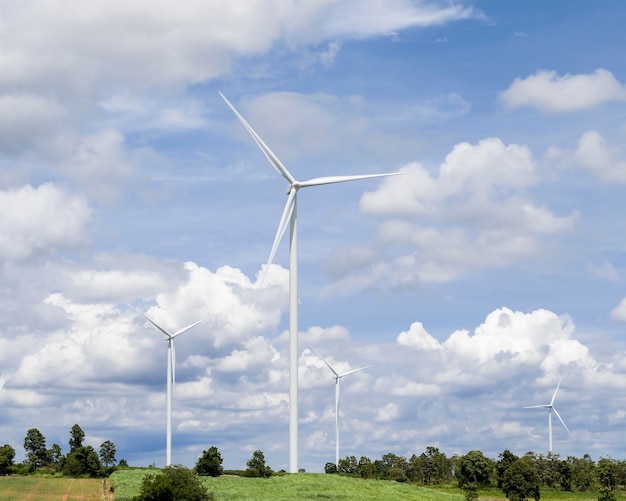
x: 210, y: 463
x: 256, y: 466
x: 288, y: 487
x: 173, y: 483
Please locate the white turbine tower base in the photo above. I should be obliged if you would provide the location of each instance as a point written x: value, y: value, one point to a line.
x: 550, y: 408
x: 337, y: 378
x: 171, y: 379
x: 290, y: 216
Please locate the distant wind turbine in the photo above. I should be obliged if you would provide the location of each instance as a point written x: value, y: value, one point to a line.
x: 171, y: 377
x: 337, y: 378
x: 550, y: 408
x: 290, y: 215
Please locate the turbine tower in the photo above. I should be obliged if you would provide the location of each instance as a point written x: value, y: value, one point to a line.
x: 337, y: 378
x: 171, y: 376
x: 290, y: 216
x: 550, y: 408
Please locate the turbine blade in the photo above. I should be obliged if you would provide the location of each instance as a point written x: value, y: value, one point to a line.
x: 282, y: 226
x: 544, y: 406
x: 273, y: 159
x: 354, y: 370
x: 342, y: 179
x: 184, y: 329
x: 557, y: 389
x: 560, y: 419
x: 157, y: 326
x: 327, y: 364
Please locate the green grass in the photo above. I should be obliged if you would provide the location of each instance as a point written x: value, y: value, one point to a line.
x: 289, y: 487
x: 40, y: 488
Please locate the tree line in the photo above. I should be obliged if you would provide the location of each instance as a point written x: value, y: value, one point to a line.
x: 519, y: 477
x: 81, y: 460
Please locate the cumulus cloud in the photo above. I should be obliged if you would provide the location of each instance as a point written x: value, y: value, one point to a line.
x: 147, y: 45
x: 475, y: 213
x: 41, y: 220
x: 551, y: 93
x: 596, y: 156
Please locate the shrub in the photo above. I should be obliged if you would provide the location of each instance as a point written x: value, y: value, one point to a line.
x: 173, y: 484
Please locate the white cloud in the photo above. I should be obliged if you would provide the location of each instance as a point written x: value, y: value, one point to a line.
x: 552, y: 93
x: 40, y: 220
x: 475, y: 213
x: 596, y: 156
x: 619, y: 312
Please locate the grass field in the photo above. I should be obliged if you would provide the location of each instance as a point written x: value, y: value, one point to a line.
x: 289, y: 487
x: 34, y: 488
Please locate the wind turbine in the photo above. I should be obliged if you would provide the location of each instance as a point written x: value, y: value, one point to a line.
x: 337, y: 378
x: 550, y: 408
x: 290, y: 215
x: 171, y: 376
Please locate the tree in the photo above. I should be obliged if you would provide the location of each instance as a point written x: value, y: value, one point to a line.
x: 107, y: 453
x: 77, y: 435
x: 35, y: 447
x: 56, y: 457
x: 174, y: 483
x: 330, y: 468
x: 210, y: 463
x: 583, y: 471
x: 348, y: 465
x: 474, y: 468
x: 505, y: 459
x: 607, y: 473
x: 7, y: 454
x: 365, y: 467
x: 81, y: 461
x: 435, y: 465
x: 256, y: 466
x: 521, y: 480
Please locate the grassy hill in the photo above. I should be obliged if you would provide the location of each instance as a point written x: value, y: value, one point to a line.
x: 289, y: 487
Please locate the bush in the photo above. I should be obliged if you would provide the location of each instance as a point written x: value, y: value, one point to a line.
x: 173, y: 484
x: 330, y: 468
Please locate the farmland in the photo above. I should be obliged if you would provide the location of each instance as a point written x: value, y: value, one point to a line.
x: 43, y: 488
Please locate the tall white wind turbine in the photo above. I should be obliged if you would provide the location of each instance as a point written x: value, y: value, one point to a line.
x: 171, y: 377
x: 550, y: 408
x: 337, y: 378
x: 290, y: 215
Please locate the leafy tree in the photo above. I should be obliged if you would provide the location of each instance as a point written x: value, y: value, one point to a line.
x: 330, y: 468
x: 606, y: 494
x: 81, y: 461
x: 256, y: 466
x: 521, y: 480
x: 56, y: 457
x: 7, y: 454
x: 348, y: 465
x: 123, y: 463
x: 174, y: 483
x: 77, y: 435
x: 471, y: 492
x: 35, y: 447
x: 505, y: 459
x: 107, y: 453
x: 392, y: 467
x: 583, y: 471
x: 474, y: 468
x: 414, y: 471
x: 607, y: 473
x: 365, y: 467
x: 210, y: 463
x: 435, y: 465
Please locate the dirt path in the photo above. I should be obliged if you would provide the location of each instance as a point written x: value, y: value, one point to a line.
x: 69, y: 489
x: 33, y: 491
x: 107, y: 495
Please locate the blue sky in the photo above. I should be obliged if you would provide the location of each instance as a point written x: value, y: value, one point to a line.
x: 472, y: 283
